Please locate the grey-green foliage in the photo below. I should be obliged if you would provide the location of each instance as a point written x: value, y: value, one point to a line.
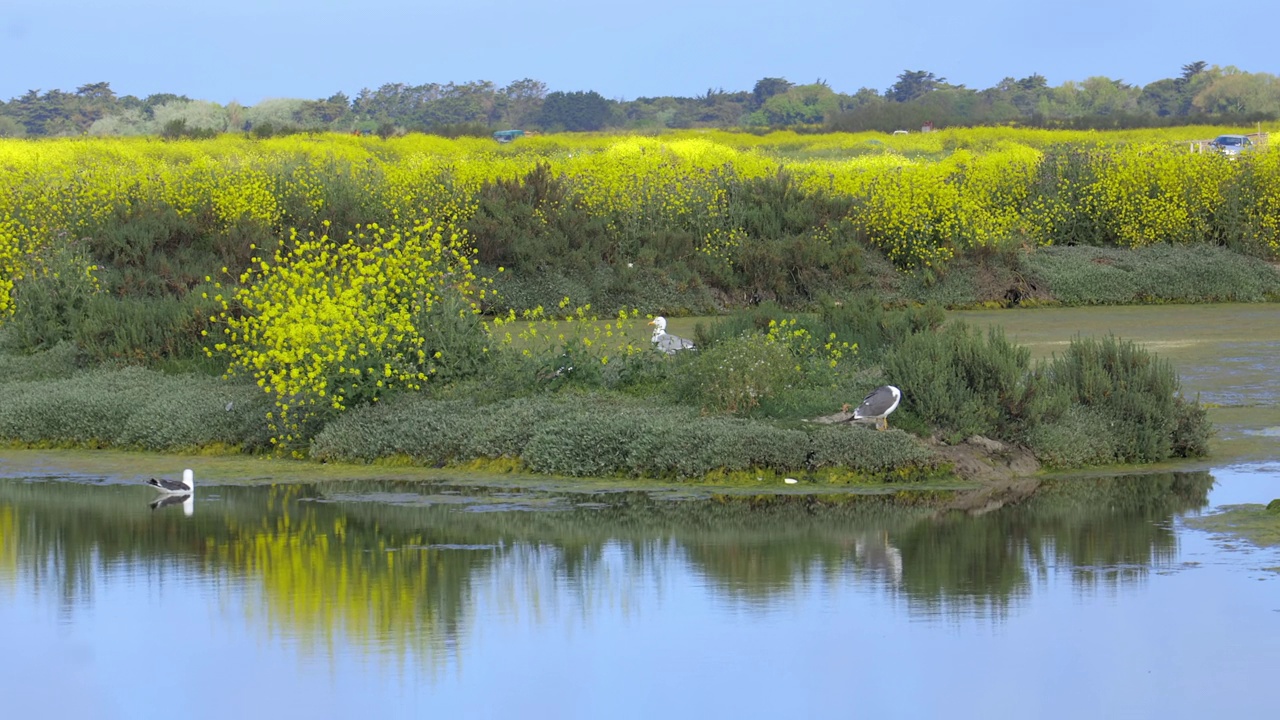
x: 1077, y: 438
x: 603, y: 435
x: 1127, y: 394
x: 736, y: 374
x: 133, y: 407
x: 1161, y: 273
x: 960, y: 380
x: 865, y: 449
x: 58, y: 361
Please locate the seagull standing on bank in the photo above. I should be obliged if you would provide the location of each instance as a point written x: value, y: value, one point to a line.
x: 666, y: 342
x: 878, y: 404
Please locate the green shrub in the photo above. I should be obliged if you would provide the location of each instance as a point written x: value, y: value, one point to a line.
x: 192, y: 412
x: 735, y: 375
x: 87, y: 409
x: 960, y: 380
x: 1132, y: 396
x: 865, y: 322
x: 1158, y: 273
x: 59, y: 361
x: 1079, y: 437
x: 50, y: 299
x: 133, y: 407
x: 601, y: 436
x: 588, y: 444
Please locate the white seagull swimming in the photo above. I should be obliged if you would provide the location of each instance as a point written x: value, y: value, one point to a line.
x: 666, y: 342
x: 174, y: 487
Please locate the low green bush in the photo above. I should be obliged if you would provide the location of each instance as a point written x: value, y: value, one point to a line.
x: 864, y: 449
x: 604, y: 435
x: 734, y: 375
x: 1159, y: 273
x: 1077, y: 438
x: 1132, y: 395
x: 960, y: 380
x: 133, y: 407
x: 59, y: 361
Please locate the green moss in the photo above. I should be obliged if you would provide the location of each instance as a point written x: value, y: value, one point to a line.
x: 1255, y: 523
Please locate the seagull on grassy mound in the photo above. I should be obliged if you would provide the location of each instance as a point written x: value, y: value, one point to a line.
x: 666, y: 342
x: 878, y: 404
x: 174, y: 487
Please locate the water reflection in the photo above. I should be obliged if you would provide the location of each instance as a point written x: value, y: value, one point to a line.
x: 324, y: 566
x: 186, y: 502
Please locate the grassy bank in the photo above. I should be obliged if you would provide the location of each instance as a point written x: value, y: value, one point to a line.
x: 736, y: 409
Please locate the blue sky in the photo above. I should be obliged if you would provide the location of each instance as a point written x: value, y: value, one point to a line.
x: 248, y: 50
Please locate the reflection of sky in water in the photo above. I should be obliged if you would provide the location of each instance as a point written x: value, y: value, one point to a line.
x: 650, y: 632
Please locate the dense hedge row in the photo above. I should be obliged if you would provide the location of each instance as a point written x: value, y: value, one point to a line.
x: 603, y: 435
x: 133, y: 408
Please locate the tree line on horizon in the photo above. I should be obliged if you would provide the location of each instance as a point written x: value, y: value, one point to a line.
x: 1200, y: 94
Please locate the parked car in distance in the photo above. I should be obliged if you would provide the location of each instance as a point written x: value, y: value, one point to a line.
x: 1232, y: 145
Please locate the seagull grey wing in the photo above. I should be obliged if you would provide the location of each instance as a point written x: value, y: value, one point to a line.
x: 173, y: 486
x: 669, y: 343
x: 876, y: 403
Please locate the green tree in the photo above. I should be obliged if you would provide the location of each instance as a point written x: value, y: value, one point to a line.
x: 1190, y: 70
x: 520, y: 103
x: 802, y: 105
x: 1163, y: 98
x: 913, y: 84
x: 1241, y: 93
x: 576, y: 111
x: 766, y: 88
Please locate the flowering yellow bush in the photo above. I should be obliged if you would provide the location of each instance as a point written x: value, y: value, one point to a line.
x: 1153, y: 193
x: 1265, y: 210
x: 324, y: 322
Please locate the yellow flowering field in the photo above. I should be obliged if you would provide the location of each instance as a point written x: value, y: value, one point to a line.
x: 924, y: 196
x: 319, y: 260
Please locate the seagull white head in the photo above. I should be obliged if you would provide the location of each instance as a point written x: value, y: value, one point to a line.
x: 660, y: 323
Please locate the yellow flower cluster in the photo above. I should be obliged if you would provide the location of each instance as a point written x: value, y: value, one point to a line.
x: 1264, y: 211
x: 325, y: 322
x: 1152, y: 193
x: 803, y: 346
x: 570, y: 329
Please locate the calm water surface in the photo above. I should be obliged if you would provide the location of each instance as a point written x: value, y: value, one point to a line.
x: 1085, y: 597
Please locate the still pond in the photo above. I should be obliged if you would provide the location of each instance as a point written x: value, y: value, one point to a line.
x: 281, y: 594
